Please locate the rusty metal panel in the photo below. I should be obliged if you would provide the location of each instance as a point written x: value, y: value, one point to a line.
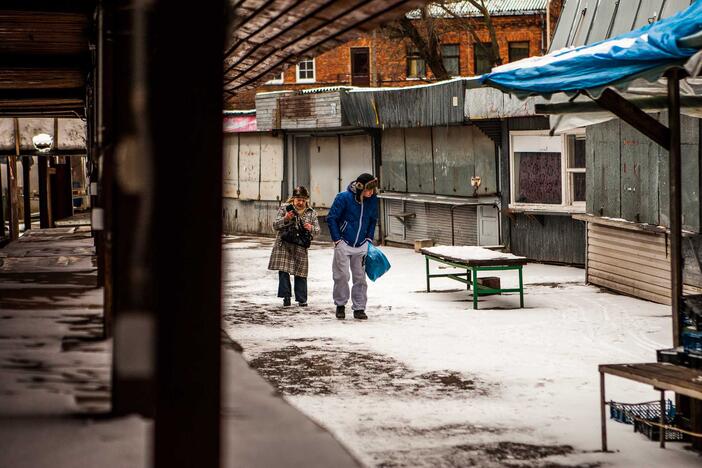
x: 71, y: 134
x: 231, y: 166
x: 324, y: 170
x: 485, y: 162
x: 420, y: 165
x: 28, y: 128
x: 271, y: 167
x: 394, y: 177
x: 454, y: 161
x: 356, y: 157
x: 310, y: 110
x: 249, y: 166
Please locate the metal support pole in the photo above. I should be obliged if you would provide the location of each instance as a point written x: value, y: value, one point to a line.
x: 603, y: 413
x: 27, y: 191
x: 44, y: 216
x: 675, y: 211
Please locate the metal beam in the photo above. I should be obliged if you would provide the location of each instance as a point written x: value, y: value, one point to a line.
x: 675, y: 210
x: 652, y: 103
x: 629, y: 113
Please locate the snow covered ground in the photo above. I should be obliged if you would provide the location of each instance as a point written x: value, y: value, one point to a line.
x: 428, y: 381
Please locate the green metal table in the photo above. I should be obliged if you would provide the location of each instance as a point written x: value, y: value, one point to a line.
x: 472, y: 267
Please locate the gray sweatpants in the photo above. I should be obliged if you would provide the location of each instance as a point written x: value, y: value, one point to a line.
x: 345, y: 258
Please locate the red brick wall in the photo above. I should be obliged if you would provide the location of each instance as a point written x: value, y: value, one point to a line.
x: 388, y: 62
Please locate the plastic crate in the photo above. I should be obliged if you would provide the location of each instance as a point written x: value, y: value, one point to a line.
x: 692, y: 341
x: 652, y: 432
x: 649, y: 410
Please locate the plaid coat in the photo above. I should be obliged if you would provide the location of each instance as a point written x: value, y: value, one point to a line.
x: 291, y: 258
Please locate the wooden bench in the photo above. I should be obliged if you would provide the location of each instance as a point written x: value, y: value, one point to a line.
x: 482, y: 260
x: 662, y: 376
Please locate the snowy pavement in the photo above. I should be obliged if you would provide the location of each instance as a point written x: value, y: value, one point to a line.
x: 428, y: 381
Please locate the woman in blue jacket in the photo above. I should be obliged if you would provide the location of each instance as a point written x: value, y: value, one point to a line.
x: 351, y: 220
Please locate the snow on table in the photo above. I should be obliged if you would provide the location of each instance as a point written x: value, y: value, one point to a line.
x: 469, y: 253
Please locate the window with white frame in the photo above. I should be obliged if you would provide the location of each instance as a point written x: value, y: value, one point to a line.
x: 547, y: 172
x: 277, y: 79
x: 305, y: 71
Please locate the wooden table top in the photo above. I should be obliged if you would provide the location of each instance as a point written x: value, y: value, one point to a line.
x: 661, y: 375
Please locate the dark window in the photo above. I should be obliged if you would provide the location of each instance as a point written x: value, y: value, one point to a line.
x: 360, y: 67
x: 449, y: 53
x: 415, y: 64
x: 482, y: 54
x: 576, y: 167
x: 538, y: 177
x: 518, y: 51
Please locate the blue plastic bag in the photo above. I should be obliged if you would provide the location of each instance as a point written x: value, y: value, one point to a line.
x: 376, y: 262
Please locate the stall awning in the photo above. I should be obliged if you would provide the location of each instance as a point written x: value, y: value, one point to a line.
x: 643, y: 53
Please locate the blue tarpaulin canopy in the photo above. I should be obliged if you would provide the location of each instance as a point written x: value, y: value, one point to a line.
x: 646, y: 52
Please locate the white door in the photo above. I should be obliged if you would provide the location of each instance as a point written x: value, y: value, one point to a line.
x: 488, y: 225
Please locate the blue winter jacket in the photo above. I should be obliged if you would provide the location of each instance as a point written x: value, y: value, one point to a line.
x: 352, y: 221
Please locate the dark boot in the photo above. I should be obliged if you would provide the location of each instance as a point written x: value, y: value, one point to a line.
x: 340, y: 314
x: 360, y: 315
x: 286, y: 302
x: 302, y: 304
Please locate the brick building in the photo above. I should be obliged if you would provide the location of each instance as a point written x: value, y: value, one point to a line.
x: 378, y: 60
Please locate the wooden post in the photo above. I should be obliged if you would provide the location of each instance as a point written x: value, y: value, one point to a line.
x: 27, y: 191
x: 603, y: 412
x: 675, y: 210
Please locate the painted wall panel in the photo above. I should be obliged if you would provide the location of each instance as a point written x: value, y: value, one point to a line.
x: 420, y: 171
x: 230, y: 166
x: 603, y: 174
x: 454, y: 161
x: 271, y: 167
x: 485, y: 162
x: 324, y: 170
x: 393, y: 160
x: 249, y: 166
x: 639, y: 176
x: 356, y: 157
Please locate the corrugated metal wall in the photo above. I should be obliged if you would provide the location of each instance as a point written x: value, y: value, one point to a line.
x: 431, y: 221
x: 548, y: 238
x: 637, y: 262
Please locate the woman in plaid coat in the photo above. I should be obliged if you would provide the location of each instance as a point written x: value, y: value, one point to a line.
x: 291, y: 259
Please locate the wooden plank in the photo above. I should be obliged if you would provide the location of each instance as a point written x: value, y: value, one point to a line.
x: 629, y: 286
x: 659, y: 244
x: 615, y: 256
x: 603, y: 150
x: 629, y: 226
x: 634, y: 249
x: 647, y: 276
x: 639, y: 235
x: 621, y: 289
x: 651, y: 375
x: 690, y: 156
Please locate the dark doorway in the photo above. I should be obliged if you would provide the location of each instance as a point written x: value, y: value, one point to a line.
x: 360, y: 66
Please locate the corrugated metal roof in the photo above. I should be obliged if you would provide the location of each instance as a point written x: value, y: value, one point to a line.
x: 495, y: 7
x: 589, y: 21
